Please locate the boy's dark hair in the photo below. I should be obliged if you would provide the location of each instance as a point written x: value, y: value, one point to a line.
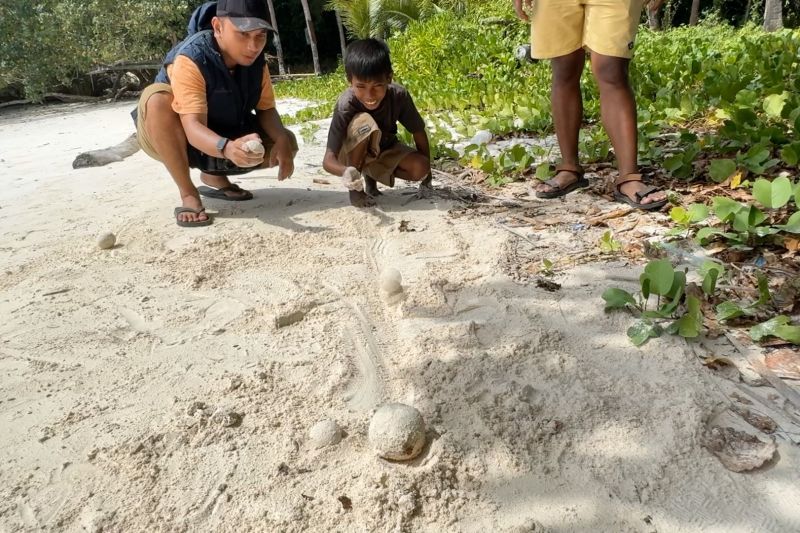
x: 368, y: 60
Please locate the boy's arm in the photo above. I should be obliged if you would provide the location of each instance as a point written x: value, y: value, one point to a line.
x: 422, y: 143
x: 331, y: 163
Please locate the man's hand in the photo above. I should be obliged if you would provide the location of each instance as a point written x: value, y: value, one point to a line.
x: 282, y: 156
x: 236, y: 152
x: 522, y: 6
x: 654, y: 5
x: 351, y: 179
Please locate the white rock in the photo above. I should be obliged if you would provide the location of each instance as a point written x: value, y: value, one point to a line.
x: 391, y: 281
x: 481, y: 137
x: 325, y: 433
x: 106, y: 241
x: 397, y: 432
x: 254, y: 147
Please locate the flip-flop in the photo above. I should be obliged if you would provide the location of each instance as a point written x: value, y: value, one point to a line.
x: 219, y: 194
x: 558, y: 189
x: 191, y: 224
x: 640, y: 195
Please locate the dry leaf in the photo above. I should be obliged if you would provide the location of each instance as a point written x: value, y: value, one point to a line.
x: 738, y: 451
x: 761, y: 422
x: 736, y: 180
x: 785, y: 363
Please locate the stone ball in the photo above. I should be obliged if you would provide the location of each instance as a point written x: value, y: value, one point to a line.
x: 397, y: 432
x: 254, y: 146
x: 106, y: 241
x: 391, y: 281
x: 325, y: 433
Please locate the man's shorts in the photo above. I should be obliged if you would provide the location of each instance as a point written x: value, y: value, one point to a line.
x: 378, y: 165
x: 607, y: 27
x: 197, y: 159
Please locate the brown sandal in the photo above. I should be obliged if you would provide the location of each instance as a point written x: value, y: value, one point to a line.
x: 561, y: 190
x: 640, y: 195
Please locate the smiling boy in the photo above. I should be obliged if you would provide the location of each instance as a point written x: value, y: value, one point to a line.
x: 363, y: 134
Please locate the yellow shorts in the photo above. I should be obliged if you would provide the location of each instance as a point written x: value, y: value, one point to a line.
x: 607, y: 27
x: 378, y: 165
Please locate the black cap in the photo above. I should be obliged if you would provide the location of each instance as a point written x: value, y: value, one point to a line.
x: 247, y: 15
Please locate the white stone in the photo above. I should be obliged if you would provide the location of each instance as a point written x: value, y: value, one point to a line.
x: 106, y: 241
x: 391, y: 281
x: 325, y: 433
x: 397, y: 432
x: 254, y: 147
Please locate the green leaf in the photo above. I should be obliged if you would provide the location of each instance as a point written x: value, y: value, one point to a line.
x: 697, y: 213
x: 792, y: 225
x: 774, y: 194
x: 721, y: 169
x: 790, y: 155
x: 641, y: 331
x: 763, y: 289
x: 711, y: 272
x: 679, y: 215
x: 690, y: 324
x: 617, y: 299
x: 724, y: 208
x: 774, y: 103
x: 776, y: 327
x: 543, y: 172
x: 661, y: 276
x: 728, y: 310
x: 704, y: 233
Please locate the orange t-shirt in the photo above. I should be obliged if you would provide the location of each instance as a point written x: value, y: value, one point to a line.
x: 189, y: 88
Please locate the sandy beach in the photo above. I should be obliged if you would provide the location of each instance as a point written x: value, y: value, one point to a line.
x: 169, y: 383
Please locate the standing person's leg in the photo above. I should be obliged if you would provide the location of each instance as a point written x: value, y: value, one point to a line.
x: 610, y: 32
x: 567, y: 105
x: 557, y: 34
x: 162, y: 137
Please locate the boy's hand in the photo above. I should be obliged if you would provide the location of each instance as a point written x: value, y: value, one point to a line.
x: 521, y: 6
x: 237, y: 152
x: 351, y: 179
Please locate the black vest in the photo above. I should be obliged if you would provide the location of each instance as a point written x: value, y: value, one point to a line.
x: 231, y: 97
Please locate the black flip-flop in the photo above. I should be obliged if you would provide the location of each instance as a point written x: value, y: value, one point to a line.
x: 558, y: 189
x: 640, y: 195
x: 188, y: 223
x: 219, y: 194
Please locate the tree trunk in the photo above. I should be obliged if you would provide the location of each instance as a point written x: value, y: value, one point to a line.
x: 312, y: 37
x: 342, y: 40
x: 695, y: 13
x: 773, y: 15
x: 278, y: 47
x: 653, y: 19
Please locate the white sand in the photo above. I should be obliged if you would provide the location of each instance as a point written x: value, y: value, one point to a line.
x: 119, y: 390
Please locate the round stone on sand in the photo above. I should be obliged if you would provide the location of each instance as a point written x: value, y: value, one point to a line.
x: 391, y: 281
x: 106, y: 241
x: 254, y: 146
x: 397, y: 432
x: 325, y: 433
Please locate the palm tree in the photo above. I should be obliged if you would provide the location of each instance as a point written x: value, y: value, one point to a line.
x: 342, y: 40
x: 312, y: 37
x: 773, y: 15
x: 278, y: 47
x: 694, y: 13
x: 378, y: 18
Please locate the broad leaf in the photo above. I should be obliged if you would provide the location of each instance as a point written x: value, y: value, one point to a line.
x: 792, y: 225
x: 641, y: 331
x: 617, y: 298
x: 661, y: 276
x: 729, y: 310
x: 776, y: 327
x: 711, y: 272
x: 721, y: 169
x: 725, y: 208
x: 774, y: 103
x: 697, y: 212
x: 774, y: 194
x: 763, y: 289
x: 690, y: 324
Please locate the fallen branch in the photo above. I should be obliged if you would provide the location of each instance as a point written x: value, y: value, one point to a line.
x: 617, y: 213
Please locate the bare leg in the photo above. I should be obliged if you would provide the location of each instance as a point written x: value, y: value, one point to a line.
x: 618, y: 111
x: 413, y: 167
x: 167, y: 137
x: 567, y: 106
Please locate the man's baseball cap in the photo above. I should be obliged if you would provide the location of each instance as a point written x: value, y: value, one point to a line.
x: 247, y: 15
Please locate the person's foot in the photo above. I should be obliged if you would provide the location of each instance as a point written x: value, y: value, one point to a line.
x: 560, y: 181
x: 192, y: 202
x: 361, y: 199
x: 631, y: 188
x: 425, y: 188
x: 371, y: 187
x: 224, y: 185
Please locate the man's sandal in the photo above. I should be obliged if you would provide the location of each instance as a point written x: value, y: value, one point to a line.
x: 220, y: 194
x: 191, y: 223
x: 640, y: 195
x: 560, y: 190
